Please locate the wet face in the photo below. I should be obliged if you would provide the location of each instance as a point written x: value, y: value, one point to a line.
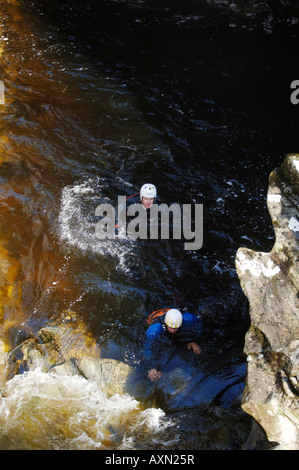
x: 147, y: 202
x: 172, y: 331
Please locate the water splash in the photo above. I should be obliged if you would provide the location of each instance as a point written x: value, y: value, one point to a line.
x: 77, y: 223
x: 70, y: 412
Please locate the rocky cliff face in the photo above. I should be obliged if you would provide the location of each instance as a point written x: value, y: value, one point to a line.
x: 271, y: 283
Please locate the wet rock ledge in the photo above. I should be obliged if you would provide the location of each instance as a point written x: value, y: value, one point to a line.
x: 271, y: 283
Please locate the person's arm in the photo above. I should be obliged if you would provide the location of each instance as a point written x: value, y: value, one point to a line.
x: 191, y: 330
x: 195, y: 347
x: 152, y: 334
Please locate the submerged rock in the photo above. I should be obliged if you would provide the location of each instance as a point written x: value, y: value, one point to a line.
x: 271, y: 283
x: 65, y: 347
x: 112, y: 376
x: 60, y: 342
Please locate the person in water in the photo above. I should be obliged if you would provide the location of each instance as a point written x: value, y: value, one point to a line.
x: 171, y: 328
x: 148, y: 194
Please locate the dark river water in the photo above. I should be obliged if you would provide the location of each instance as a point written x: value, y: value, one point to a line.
x: 101, y: 97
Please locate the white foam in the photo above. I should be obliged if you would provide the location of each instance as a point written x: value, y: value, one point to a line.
x: 77, y: 223
x: 41, y: 410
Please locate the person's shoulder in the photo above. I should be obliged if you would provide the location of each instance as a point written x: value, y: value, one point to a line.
x: 154, y: 330
x: 133, y: 199
x: 189, y: 317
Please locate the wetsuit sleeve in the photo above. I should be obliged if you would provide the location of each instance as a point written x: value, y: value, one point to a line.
x: 189, y: 318
x: 191, y: 328
x: 152, y: 335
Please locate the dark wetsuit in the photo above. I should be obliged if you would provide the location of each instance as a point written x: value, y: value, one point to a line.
x: 131, y: 201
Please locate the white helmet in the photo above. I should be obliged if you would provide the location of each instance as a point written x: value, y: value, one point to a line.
x: 148, y: 190
x: 174, y: 318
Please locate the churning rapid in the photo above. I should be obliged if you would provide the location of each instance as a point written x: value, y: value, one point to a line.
x: 98, y: 102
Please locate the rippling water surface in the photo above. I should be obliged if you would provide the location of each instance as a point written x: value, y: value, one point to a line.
x: 192, y: 96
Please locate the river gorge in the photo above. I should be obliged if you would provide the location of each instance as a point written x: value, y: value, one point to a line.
x: 98, y: 99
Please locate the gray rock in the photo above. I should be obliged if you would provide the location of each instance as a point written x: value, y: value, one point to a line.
x: 65, y: 346
x: 271, y: 283
x: 111, y: 376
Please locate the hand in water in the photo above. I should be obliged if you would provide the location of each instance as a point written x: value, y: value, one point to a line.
x: 196, y: 348
x: 154, y: 375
